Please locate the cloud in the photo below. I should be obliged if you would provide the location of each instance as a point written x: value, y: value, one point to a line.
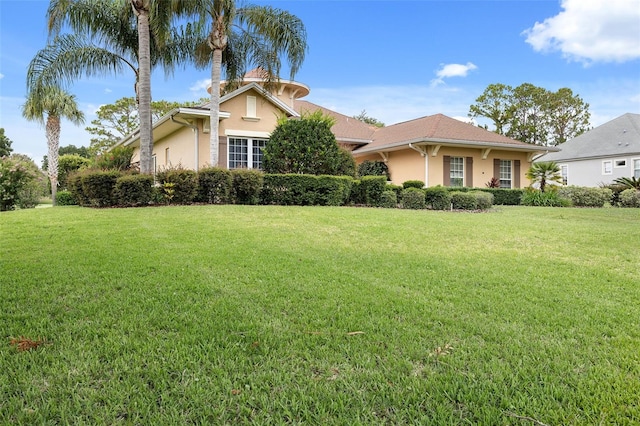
x: 200, y: 87
x: 108, y: 90
x: 1, y: 76
x: 590, y: 31
x: 452, y: 70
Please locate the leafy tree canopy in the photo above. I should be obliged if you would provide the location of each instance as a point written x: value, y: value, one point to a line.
x: 81, y: 151
x: 369, y: 120
x: 5, y: 144
x: 533, y: 114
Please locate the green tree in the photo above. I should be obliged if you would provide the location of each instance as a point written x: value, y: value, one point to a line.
x: 71, y: 149
x: 304, y: 145
x: 5, y: 144
x: 533, y: 114
x: 369, y: 120
x: 543, y: 173
x: 108, y: 37
x: 15, y: 175
x: 68, y: 163
x: 54, y: 103
x: 232, y: 37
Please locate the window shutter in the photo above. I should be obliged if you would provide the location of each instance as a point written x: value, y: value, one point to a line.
x: 446, y: 167
x: 496, y: 168
x: 468, y: 172
x: 516, y: 173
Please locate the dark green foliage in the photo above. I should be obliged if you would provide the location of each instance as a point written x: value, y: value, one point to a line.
x: 413, y: 198
x: 69, y: 163
x: 389, y: 199
x: 305, y: 146
x: 346, y: 163
x: 438, y: 198
x: 247, y: 185
x: 98, y: 187
x: 628, y: 182
x: 534, y: 197
x: 373, y: 168
x: 463, y: 200
x: 397, y: 189
x: 5, y: 144
x: 484, y: 200
x: 74, y: 185
x: 15, y: 176
x: 372, y: 188
x: 181, y: 184
x: 303, y: 190
x: 413, y: 184
x: 119, y: 158
x: 503, y: 196
x: 214, y: 185
x: 630, y: 198
x: 134, y: 190
x: 65, y: 198
x: 586, y: 197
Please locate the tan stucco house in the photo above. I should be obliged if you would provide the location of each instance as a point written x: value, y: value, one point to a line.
x: 436, y: 149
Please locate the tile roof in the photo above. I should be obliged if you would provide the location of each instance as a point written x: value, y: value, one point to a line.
x: 346, y: 128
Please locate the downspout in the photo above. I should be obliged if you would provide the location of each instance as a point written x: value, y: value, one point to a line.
x: 426, y: 163
x: 197, y: 136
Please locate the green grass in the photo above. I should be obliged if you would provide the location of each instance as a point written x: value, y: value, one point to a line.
x: 287, y: 315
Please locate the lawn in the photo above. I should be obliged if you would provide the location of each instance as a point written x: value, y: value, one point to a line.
x: 332, y: 316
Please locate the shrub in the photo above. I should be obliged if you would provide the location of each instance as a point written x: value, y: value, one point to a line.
x: 373, y: 168
x: 616, y: 190
x: 118, y: 158
x: 389, y: 199
x: 295, y: 189
x: 534, y: 197
x: 504, y: 197
x: 413, y: 184
x: 74, y: 185
x: 65, y: 198
x: 332, y: 190
x: 68, y: 164
x: 214, y: 185
x: 247, y: 185
x: 14, y: 177
x: 134, y: 190
x: 438, y: 198
x: 98, y: 187
x: 463, y: 200
x: 372, y: 188
x: 630, y: 198
x: 346, y: 163
x: 180, y: 184
x: 413, y: 198
x: 586, y: 197
x: 494, y: 182
x: 484, y: 200
x: 397, y: 189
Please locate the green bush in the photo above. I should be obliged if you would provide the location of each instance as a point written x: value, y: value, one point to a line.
x: 332, y: 190
x: 65, y: 198
x: 68, y: 164
x: 303, y: 190
x: 463, y: 200
x: 534, y: 197
x: 372, y: 188
x: 413, y: 198
x: 74, y: 185
x: 134, y: 190
x: 484, y: 200
x: 586, y: 197
x: 118, y: 158
x: 413, y: 184
x: 180, y: 185
x: 15, y: 176
x: 346, y: 163
x: 438, y: 198
x: 98, y: 187
x: 630, y: 198
x: 246, y: 186
x: 503, y: 196
x: 389, y: 199
x: 395, y: 188
x: 373, y: 168
x: 214, y: 185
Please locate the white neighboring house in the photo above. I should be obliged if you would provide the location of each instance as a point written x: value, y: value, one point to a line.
x: 601, y: 155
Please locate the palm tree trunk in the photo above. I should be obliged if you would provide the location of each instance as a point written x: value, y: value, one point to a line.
x: 52, y: 130
x: 214, y: 140
x: 144, y: 86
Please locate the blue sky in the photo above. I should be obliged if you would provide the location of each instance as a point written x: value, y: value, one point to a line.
x: 398, y: 60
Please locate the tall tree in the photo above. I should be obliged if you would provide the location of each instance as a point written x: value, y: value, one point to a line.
x: 108, y: 37
x: 235, y: 37
x: 54, y: 103
x: 533, y: 114
x: 5, y: 144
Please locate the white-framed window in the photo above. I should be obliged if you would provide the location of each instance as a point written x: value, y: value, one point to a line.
x: 607, y: 167
x: 505, y: 173
x: 620, y: 163
x: 564, y: 172
x: 245, y: 153
x: 636, y: 168
x: 456, y: 173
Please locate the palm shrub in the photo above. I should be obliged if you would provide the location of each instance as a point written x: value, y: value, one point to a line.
x: 214, y: 185
x: 413, y: 198
x: 628, y: 182
x: 630, y: 198
x: 543, y: 173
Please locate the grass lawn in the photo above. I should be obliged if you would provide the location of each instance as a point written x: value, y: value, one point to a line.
x: 290, y: 315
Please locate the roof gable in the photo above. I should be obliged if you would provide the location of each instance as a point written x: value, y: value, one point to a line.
x: 346, y: 129
x: 255, y: 86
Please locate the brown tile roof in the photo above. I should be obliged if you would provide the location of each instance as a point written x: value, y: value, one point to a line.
x: 436, y: 128
x: 346, y: 128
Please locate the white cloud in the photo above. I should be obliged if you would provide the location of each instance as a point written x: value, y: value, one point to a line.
x: 590, y: 31
x: 1, y: 76
x: 108, y: 90
x: 200, y: 87
x: 452, y: 70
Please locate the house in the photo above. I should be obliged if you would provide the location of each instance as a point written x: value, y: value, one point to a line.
x: 436, y: 149
x: 601, y: 155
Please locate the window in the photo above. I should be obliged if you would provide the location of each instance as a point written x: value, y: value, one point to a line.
x: 251, y: 106
x: 564, y: 170
x: 620, y: 163
x: 167, y: 161
x: 636, y: 168
x: 607, y: 167
x: 246, y: 153
x: 457, y: 171
x: 505, y: 173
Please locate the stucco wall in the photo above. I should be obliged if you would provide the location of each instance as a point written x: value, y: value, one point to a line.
x: 590, y: 172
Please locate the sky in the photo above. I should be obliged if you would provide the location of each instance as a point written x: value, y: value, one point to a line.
x: 396, y: 60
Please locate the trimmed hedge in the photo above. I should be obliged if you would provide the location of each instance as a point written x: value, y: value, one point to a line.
x: 306, y: 190
x: 180, y: 185
x: 413, y: 198
x: 389, y: 199
x: 98, y: 187
x: 65, y: 198
x: 438, y: 198
x: 472, y: 200
x: 413, y: 184
x: 246, y: 186
x: 134, y: 190
x: 630, y: 198
x: 214, y: 185
x: 503, y: 196
x: 371, y: 188
x: 586, y: 197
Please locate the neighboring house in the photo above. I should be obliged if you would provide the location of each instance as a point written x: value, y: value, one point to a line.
x: 601, y: 155
x: 437, y: 149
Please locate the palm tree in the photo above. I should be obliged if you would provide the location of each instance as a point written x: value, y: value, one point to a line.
x: 55, y: 103
x: 544, y: 172
x: 233, y: 37
x: 111, y: 36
